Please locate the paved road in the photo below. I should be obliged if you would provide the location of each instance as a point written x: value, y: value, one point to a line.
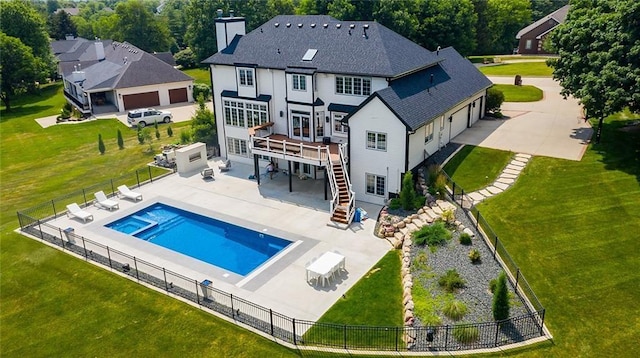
x: 552, y: 127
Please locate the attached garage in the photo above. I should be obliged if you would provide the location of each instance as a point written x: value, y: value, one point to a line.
x: 459, y: 122
x: 178, y: 95
x: 141, y: 100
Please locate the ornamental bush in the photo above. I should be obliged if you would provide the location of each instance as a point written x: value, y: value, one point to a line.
x: 432, y: 235
x: 455, y: 309
x: 451, y: 281
x: 466, y: 334
x: 501, y: 299
x: 474, y: 256
x: 465, y: 239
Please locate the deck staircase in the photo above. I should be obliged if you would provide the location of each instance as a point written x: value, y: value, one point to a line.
x: 343, y: 198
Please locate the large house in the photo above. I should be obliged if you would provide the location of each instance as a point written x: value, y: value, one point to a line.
x: 109, y: 76
x: 531, y: 38
x: 349, y: 102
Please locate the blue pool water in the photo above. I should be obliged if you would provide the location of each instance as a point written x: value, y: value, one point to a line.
x: 228, y: 246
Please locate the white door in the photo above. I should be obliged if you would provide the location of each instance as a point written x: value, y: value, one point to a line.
x: 301, y: 126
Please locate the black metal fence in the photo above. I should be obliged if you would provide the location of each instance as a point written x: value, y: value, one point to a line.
x: 287, y: 329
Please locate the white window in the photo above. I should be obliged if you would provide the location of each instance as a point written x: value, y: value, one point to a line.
x: 237, y: 146
x: 376, y: 184
x: 244, y: 114
x: 377, y: 141
x: 300, y: 82
x: 358, y: 86
x: 246, y: 77
x: 429, y: 134
x: 527, y: 45
x: 338, y: 127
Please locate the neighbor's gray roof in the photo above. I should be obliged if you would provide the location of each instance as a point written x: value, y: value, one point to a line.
x: 124, y: 66
x: 416, y: 101
x: 559, y: 15
x: 343, y: 49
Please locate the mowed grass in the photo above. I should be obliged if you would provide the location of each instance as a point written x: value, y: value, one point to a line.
x: 574, y: 230
x: 473, y: 168
x: 525, y: 69
x: 524, y: 93
x: 201, y: 75
x: 54, y: 305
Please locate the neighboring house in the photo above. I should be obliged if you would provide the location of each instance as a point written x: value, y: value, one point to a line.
x: 349, y: 102
x: 531, y: 38
x: 109, y: 76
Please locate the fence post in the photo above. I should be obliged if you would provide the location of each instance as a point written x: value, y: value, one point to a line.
x: 233, y: 311
x: 461, y: 198
x: 398, y: 328
x: 497, y: 331
x: 113, y: 191
x: 446, y: 336
x: 271, y: 320
x: 61, y: 238
x: 345, y: 336
x: 40, y: 229
x: 294, y: 331
x: 109, y: 257
x: 164, y: 271
x: 150, y: 178
x: 84, y: 246
x: 453, y: 189
x: 195, y: 281
x: 495, y: 247
x: 53, y: 204
x: 542, y: 323
x: 477, y: 218
x: 84, y: 195
x: 137, y: 178
x: 135, y: 264
x: 517, y: 278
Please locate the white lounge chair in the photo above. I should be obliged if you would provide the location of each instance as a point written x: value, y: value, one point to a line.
x: 102, y: 200
x: 127, y: 193
x: 225, y: 167
x: 73, y: 210
x: 207, y: 173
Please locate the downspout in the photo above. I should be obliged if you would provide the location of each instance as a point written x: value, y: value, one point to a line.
x: 215, y: 116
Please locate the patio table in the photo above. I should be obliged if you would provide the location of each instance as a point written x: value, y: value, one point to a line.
x: 325, y: 265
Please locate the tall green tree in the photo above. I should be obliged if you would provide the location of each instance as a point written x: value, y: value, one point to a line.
x: 138, y: 25
x: 312, y: 7
x: 500, y: 306
x: 505, y: 19
x: 408, y: 192
x: 60, y: 25
x: 542, y: 8
x: 19, y: 19
x: 399, y: 15
x: 174, y: 15
x: 18, y: 68
x: 448, y: 23
x: 200, y: 35
x: 203, y: 124
x: 599, y: 63
x: 52, y: 6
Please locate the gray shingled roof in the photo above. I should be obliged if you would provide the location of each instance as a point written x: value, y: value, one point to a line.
x: 416, y: 100
x: 343, y: 49
x: 559, y: 15
x: 124, y: 66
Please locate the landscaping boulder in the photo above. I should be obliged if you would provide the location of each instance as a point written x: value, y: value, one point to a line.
x: 469, y: 232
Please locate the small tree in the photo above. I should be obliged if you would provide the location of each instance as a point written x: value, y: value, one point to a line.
x: 203, y: 126
x: 408, y: 193
x: 501, y: 299
x: 120, y: 140
x: 140, y: 136
x: 186, y: 58
x: 146, y: 136
x: 201, y: 89
x: 101, y: 146
x: 169, y: 132
x: 495, y: 97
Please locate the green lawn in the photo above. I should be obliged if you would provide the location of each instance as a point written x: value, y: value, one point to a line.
x: 473, y: 168
x: 525, y: 69
x: 201, y: 75
x: 524, y: 93
x: 574, y: 230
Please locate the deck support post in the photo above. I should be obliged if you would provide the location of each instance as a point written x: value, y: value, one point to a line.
x: 326, y: 182
x: 290, y: 175
x: 256, y: 168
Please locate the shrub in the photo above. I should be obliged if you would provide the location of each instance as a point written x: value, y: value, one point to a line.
x: 451, y: 281
x: 419, y: 201
x: 432, y: 173
x: 157, y: 134
x: 407, y: 193
x: 203, y: 127
x: 495, y: 97
x: 185, y: 136
x: 474, y: 256
x: 140, y: 135
x: 201, y: 89
x: 448, y: 216
x: 186, y: 58
x: 492, y: 285
x: 455, y: 309
x: 432, y: 235
x: 101, y: 146
x: 169, y: 132
x: 440, y: 186
x: 120, y: 140
x: 465, y: 334
x: 395, y: 204
x: 501, y: 299
x: 420, y: 261
x: 465, y: 239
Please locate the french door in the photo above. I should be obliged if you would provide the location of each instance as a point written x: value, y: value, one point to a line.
x: 301, y: 125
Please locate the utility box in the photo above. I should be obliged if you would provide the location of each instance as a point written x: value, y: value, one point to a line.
x: 518, y: 80
x: 206, y: 287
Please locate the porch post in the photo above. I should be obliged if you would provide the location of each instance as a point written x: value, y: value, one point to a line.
x: 256, y: 168
x: 290, y: 175
x: 326, y: 182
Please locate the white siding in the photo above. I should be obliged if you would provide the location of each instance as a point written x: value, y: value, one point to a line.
x: 223, y: 79
x: 376, y: 117
x: 298, y: 95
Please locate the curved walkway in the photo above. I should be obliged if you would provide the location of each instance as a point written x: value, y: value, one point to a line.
x: 508, y: 176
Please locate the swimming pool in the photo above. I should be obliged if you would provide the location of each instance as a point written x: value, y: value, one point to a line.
x: 234, y: 248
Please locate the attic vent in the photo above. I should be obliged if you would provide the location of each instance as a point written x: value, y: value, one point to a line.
x: 313, y: 26
x: 299, y: 26
x: 308, y: 56
x: 325, y: 25
x: 352, y: 26
x: 288, y: 24
x: 366, y: 26
x: 276, y: 24
x: 338, y: 26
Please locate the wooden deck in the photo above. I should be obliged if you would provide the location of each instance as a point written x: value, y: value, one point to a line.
x: 281, y: 144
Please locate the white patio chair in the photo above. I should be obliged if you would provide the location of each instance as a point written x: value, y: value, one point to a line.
x: 73, y: 210
x: 127, y: 193
x: 102, y: 200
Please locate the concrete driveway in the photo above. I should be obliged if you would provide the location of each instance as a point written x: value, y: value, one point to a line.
x: 552, y: 127
x: 181, y: 112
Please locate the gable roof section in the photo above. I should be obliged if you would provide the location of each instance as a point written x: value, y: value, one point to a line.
x: 559, y: 16
x: 348, y: 47
x: 415, y: 100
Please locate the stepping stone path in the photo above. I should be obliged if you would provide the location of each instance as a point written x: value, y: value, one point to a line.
x: 508, y: 176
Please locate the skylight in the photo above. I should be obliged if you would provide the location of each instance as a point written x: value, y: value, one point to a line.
x: 308, y: 56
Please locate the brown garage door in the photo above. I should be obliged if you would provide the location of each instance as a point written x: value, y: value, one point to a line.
x: 140, y: 100
x: 178, y: 95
